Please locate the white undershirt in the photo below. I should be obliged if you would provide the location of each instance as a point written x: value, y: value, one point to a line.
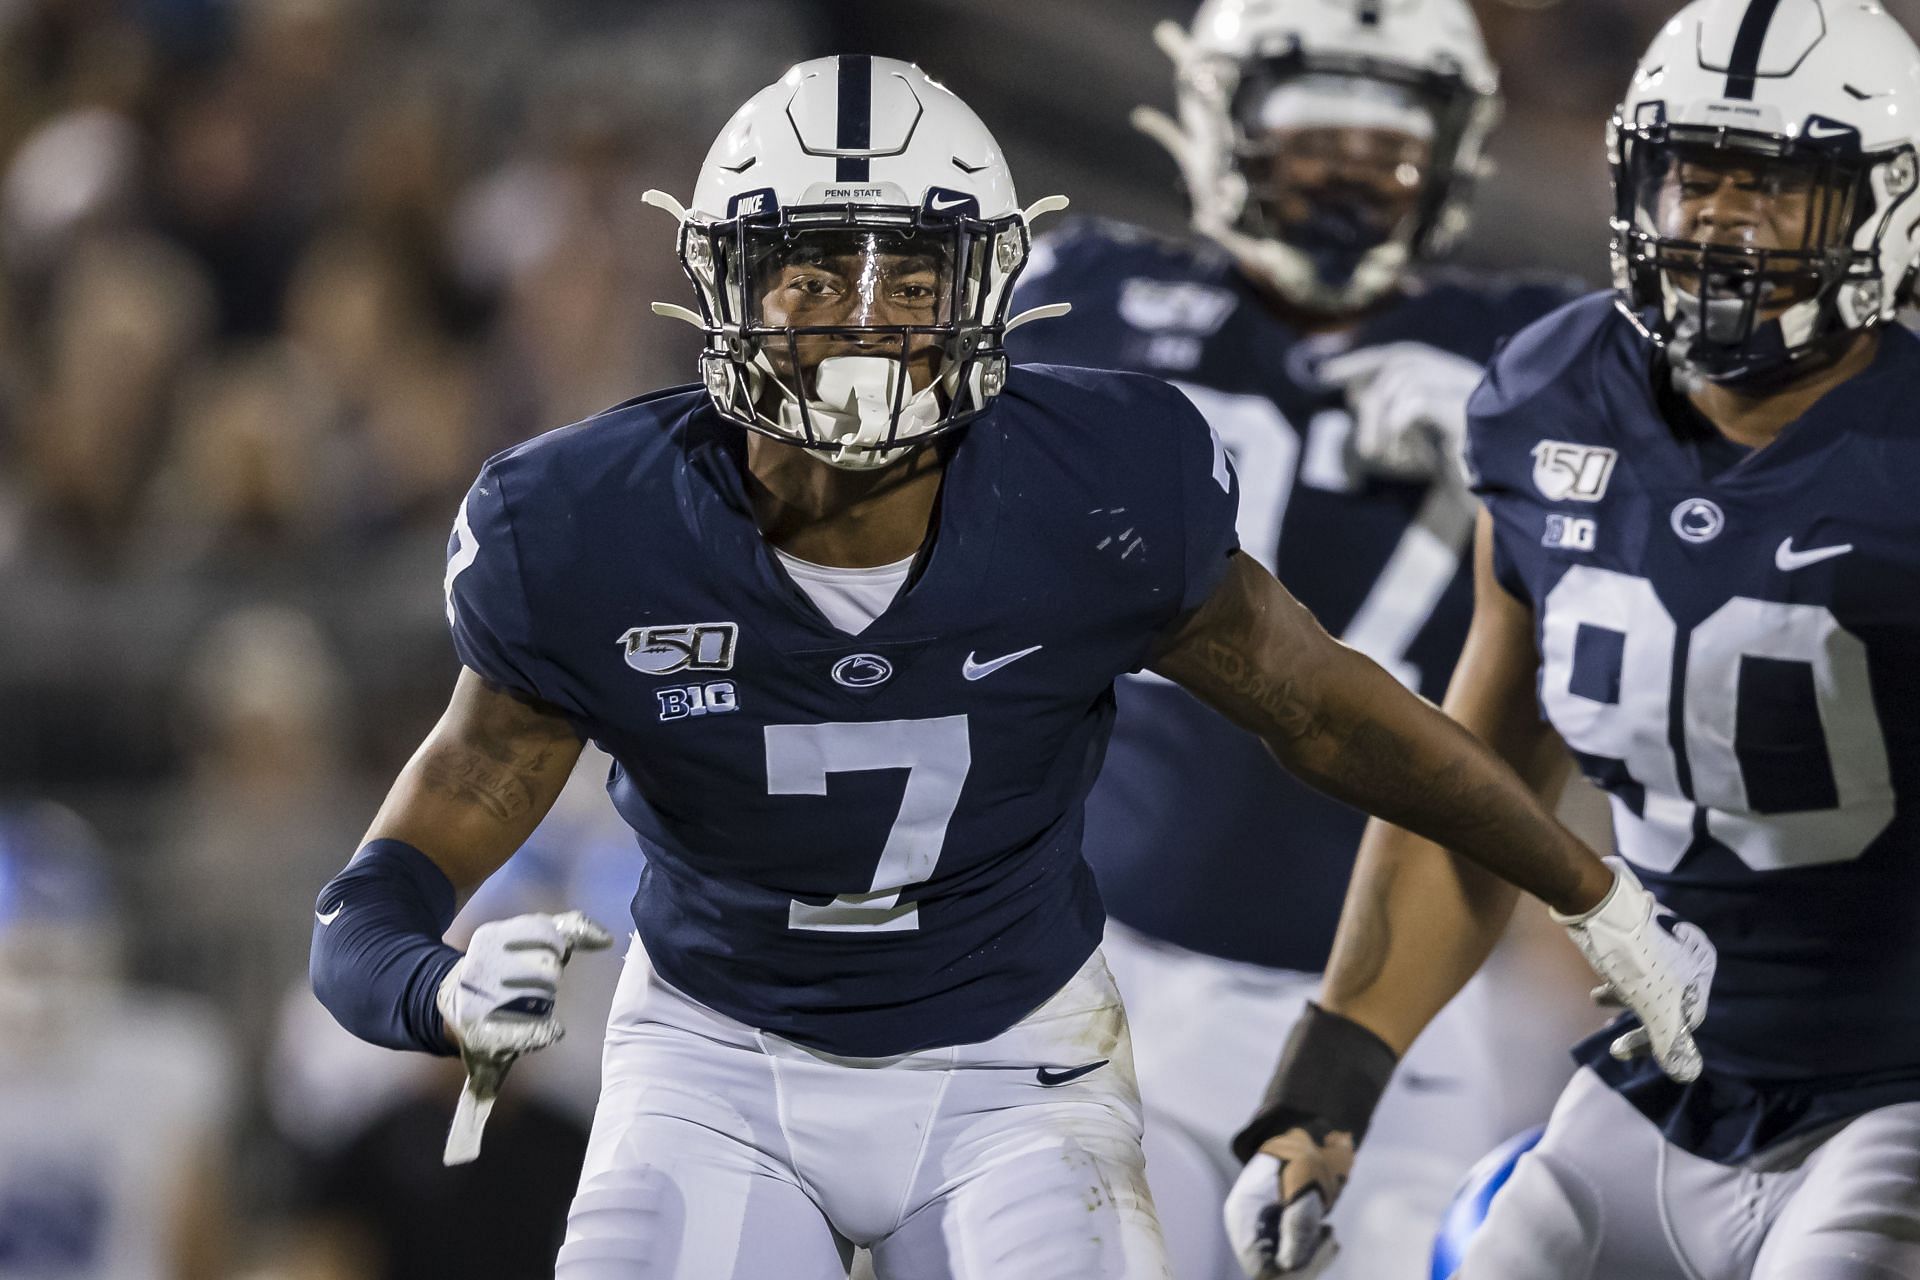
x: 850, y: 598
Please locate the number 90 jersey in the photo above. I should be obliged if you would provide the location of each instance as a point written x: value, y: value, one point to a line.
x: 1730, y: 645
x: 869, y: 844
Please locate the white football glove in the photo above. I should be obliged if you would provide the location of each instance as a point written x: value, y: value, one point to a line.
x: 497, y: 1000
x: 497, y: 1003
x: 1656, y: 966
x: 1276, y: 1211
x: 1409, y: 406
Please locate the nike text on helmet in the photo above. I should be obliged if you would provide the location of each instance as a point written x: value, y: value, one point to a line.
x: 1413, y: 66
x: 1764, y: 170
x: 853, y: 240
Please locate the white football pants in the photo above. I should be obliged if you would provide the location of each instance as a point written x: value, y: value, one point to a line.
x: 720, y: 1152
x: 1210, y: 1033
x: 1606, y: 1197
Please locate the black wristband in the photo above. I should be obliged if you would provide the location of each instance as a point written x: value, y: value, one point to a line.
x: 1330, y: 1077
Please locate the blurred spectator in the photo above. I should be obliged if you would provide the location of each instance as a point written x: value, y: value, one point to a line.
x: 126, y: 312
x: 115, y: 1103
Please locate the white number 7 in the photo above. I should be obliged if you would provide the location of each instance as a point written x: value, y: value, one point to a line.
x: 936, y: 756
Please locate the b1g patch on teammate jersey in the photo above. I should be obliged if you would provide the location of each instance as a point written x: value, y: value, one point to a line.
x: 1570, y: 533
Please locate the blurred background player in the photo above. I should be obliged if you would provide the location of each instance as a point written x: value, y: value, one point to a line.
x: 116, y: 1104
x: 1329, y: 149
x: 1697, y: 563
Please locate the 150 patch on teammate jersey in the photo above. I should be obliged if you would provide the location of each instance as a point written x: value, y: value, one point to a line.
x: 1567, y: 472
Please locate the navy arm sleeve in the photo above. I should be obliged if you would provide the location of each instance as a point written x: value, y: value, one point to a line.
x: 377, y: 959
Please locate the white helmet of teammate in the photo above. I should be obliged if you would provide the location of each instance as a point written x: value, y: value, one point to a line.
x: 853, y: 240
x: 1251, y: 70
x: 1810, y: 108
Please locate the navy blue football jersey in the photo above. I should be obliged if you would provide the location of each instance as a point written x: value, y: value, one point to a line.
x: 869, y: 844
x: 1730, y: 645
x: 1261, y: 860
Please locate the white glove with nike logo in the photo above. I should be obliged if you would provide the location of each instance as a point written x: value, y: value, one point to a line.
x: 498, y: 998
x: 497, y: 1003
x: 1409, y: 406
x: 1654, y: 965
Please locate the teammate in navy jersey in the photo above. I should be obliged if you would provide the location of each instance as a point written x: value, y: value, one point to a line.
x: 1698, y: 564
x: 847, y: 617
x: 1330, y: 149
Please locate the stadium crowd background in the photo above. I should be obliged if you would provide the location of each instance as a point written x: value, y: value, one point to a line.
x: 275, y: 277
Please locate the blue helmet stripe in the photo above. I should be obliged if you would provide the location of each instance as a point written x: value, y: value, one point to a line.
x: 1744, y: 65
x: 855, y: 124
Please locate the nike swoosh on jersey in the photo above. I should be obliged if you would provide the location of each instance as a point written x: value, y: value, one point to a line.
x: 1048, y: 1076
x: 328, y: 917
x: 981, y: 670
x: 1786, y: 559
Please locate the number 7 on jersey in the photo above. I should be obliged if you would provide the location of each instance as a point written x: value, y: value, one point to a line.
x: 936, y: 755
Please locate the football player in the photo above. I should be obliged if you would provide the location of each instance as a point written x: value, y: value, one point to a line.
x: 1697, y: 561
x: 847, y: 617
x: 1329, y: 150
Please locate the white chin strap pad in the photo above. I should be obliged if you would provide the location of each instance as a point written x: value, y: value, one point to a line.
x: 852, y: 406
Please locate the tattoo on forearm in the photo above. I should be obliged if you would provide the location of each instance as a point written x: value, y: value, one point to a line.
x: 471, y: 777
x: 501, y: 758
x: 1277, y: 697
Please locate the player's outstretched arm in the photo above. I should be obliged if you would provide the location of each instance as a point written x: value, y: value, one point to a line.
x: 474, y: 791
x: 1418, y: 920
x: 1340, y: 722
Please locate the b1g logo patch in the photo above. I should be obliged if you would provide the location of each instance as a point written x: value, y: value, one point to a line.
x: 688, y: 701
x: 1570, y: 533
x: 696, y: 646
x: 1566, y: 472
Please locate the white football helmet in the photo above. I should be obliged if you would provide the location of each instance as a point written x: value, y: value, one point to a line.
x: 853, y: 240
x: 1810, y: 107
x: 1250, y: 66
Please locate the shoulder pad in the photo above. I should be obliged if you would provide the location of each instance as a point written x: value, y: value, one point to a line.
x: 632, y: 425
x: 1540, y: 354
x: 1543, y: 382
x: 1102, y: 251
